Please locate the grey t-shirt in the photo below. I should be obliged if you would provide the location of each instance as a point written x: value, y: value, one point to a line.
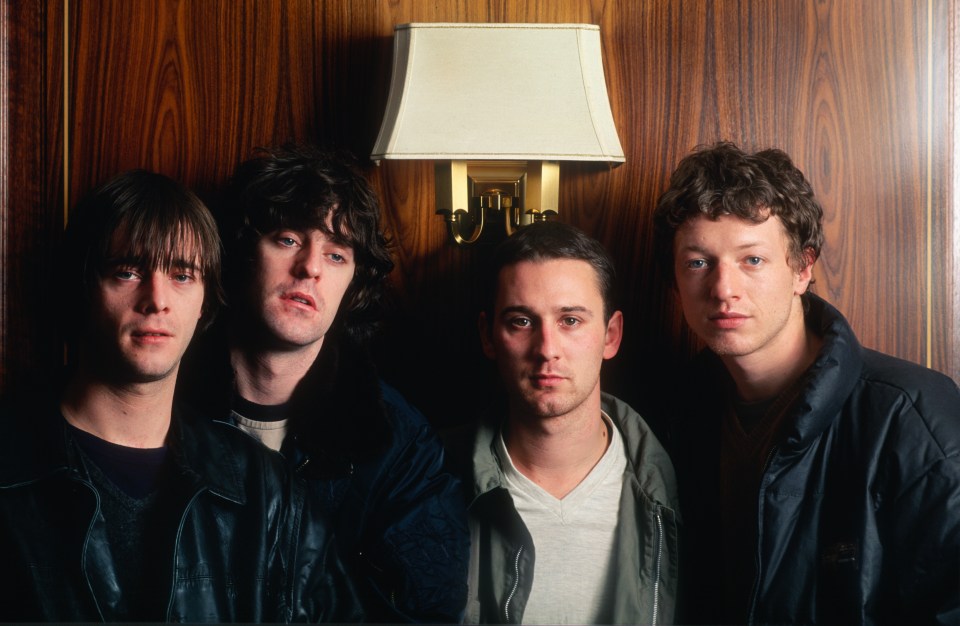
x: 573, y: 538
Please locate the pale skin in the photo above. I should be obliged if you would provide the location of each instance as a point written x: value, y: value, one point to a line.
x: 300, y: 279
x: 549, y: 339
x: 741, y: 293
x: 143, y: 323
x: 135, y: 415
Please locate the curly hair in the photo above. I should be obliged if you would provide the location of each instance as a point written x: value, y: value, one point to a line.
x: 299, y: 186
x: 722, y: 179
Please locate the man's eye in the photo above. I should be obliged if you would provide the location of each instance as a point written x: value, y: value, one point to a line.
x: 696, y: 264
x: 520, y: 322
x: 754, y: 260
x: 126, y: 275
x: 569, y: 321
x: 287, y: 242
x: 183, y: 278
x: 337, y: 258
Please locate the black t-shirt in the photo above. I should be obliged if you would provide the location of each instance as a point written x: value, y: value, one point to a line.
x: 135, y: 503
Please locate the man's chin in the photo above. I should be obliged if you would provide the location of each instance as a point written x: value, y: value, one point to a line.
x: 286, y: 339
x: 728, y: 348
x: 722, y: 343
x: 143, y: 377
x: 547, y: 407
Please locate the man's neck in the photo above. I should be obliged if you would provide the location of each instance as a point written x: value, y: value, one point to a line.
x: 136, y: 415
x: 762, y: 376
x: 558, y: 453
x: 270, y: 377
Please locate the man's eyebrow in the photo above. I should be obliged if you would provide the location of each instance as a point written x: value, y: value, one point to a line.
x: 183, y: 264
x: 527, y: 311
x: 517, y: 308
x: 741, y: 246
x: 139, y: 261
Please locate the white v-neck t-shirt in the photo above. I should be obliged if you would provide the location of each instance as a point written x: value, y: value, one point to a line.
x: 573, y: 538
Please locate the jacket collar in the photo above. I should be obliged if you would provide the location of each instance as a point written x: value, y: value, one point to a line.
x: 337, y: 407
x: 487, y: 473
x: 203, y: 453
x: 338, y: 416
x: 40, y: 445
x: 824, y: 387
x: 643, y: 451
x: 831, y: 378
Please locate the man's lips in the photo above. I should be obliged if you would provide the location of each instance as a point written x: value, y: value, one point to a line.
x: 546, y: 380
x: 150, y: 335
x: 298, y: 297
x: 728, y: 321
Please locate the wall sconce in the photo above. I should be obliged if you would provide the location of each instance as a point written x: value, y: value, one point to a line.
x: 497, y: 106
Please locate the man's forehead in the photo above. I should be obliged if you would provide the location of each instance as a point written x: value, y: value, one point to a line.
x: 709, y: 222
x: 172, y: 252
x: 573, y: 276
x: 547, y: 268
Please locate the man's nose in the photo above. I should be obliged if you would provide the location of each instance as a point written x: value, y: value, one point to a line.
x: 154, y: 292
x: 726, y: 282
x: 309, y: 262
x: 547, y: 341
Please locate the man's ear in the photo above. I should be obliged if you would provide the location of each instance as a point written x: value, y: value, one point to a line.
x: 486, y: 341
x: 614, y: 335
x: 805, y: 274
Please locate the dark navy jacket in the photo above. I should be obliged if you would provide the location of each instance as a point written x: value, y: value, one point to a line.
x: 859, y: 504
x: 377, y: 466
x: 246, y: 546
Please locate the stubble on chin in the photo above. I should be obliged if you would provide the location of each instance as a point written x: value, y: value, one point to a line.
x: 537, y: 404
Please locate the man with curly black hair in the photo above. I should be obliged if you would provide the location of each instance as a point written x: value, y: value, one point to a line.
x: 304, y: 269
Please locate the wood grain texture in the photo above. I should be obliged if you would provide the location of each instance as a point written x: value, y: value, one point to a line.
x: 860, y: 92
x: 30, y: 217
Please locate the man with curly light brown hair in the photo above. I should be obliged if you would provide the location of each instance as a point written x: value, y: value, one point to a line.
x: 819, y: 480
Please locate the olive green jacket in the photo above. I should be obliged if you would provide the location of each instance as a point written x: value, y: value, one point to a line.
x: 502, y: 552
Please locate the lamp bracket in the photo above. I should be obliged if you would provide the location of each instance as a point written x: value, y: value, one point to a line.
x: 522, y: 191
x: 454, y: 220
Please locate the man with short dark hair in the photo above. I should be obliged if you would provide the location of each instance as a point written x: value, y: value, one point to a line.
x: 305, y: 264
x: 572, y: 498
x: 116, y: 505
x: 820, y: 480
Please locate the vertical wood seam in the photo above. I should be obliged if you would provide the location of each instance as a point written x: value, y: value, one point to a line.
x: 929, y: 260
x: 6, y: 194
x: 952, y: 298
x: 66, y: 110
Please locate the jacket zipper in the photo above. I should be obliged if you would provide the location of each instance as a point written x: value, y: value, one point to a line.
x: 758, y: 559
x: 656, y: 570
x: 516, y: 583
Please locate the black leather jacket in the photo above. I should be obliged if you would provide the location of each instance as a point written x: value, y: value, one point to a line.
x: 248, y: 546
x: 376, y: 466
x: 859, y: 504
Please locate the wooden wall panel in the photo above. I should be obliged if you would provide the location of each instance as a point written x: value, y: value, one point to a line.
x: 943, y: 93
x: 31, y: 190
x: 860, y: 92
x: 188, y: 88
